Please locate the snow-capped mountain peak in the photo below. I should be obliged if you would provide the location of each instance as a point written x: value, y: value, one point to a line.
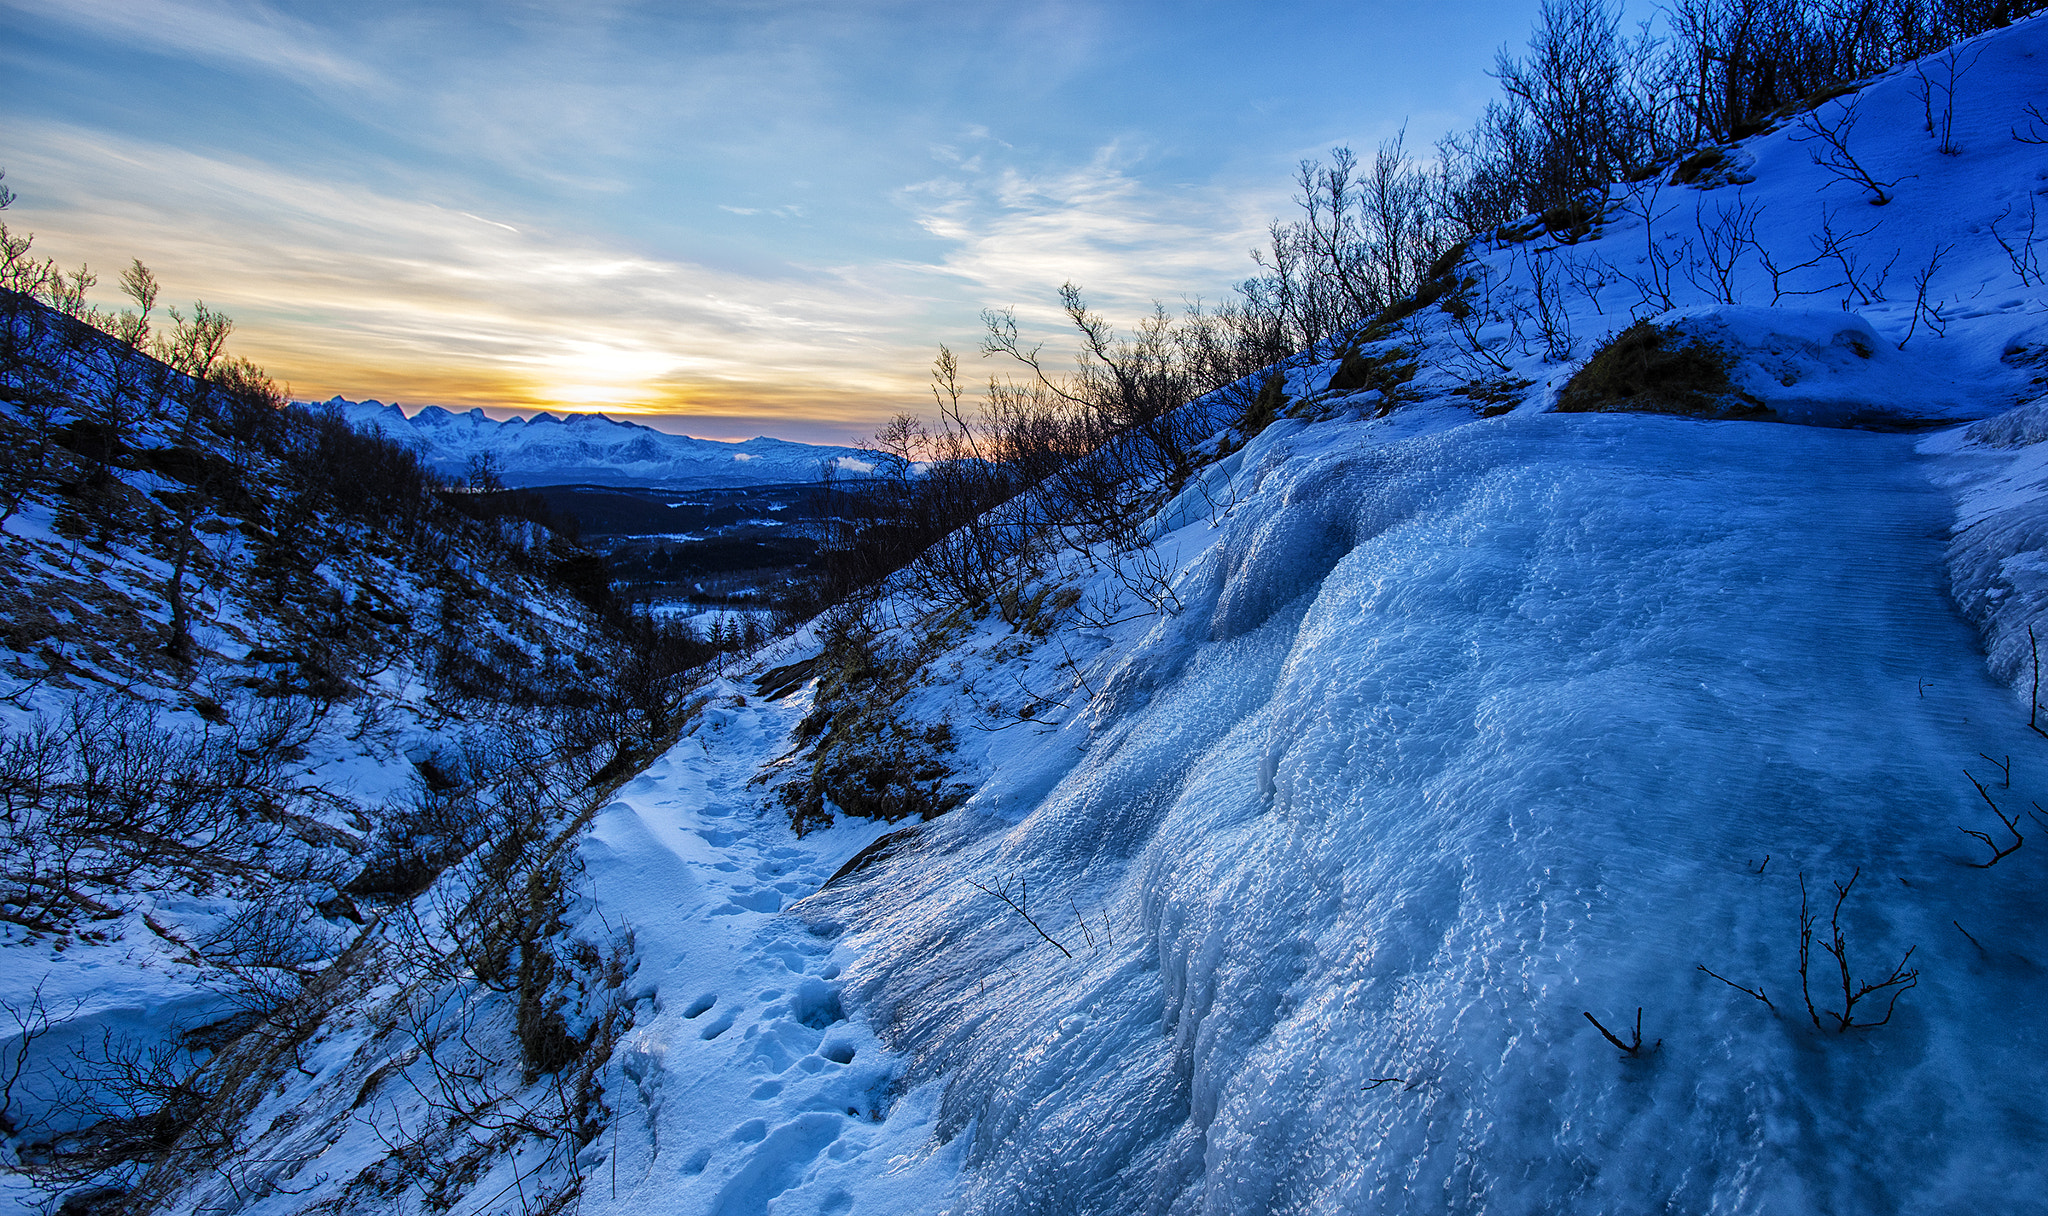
x: 548, y: 449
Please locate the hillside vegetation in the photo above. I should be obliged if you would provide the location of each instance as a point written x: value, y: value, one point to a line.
x: 295, y: 732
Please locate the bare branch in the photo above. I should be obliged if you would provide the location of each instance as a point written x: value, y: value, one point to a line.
x: 1833, y: 154
x: 1018, y: 906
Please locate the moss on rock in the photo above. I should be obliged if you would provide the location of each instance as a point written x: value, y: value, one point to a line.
x: 1655, y: 369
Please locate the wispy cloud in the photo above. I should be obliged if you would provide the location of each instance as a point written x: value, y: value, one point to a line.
x: 341, y: 290
x: 247, y: 35
x: 703, y: 206
x: 493, y: 223
x: 369, y: 294
x: 1017, y: 233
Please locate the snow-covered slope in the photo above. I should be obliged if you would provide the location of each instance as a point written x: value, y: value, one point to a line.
x: 263, y: 686
x: 592, y: 449
x: 1452, y: 731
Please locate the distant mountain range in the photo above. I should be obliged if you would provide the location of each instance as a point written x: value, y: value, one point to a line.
x: 590, y: 449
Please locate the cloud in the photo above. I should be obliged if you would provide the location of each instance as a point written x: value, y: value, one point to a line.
x: 493, y: 223
x: 344, y: 290
x: 248, y: 35
x: 338, y: 289
x: 1016, y: 233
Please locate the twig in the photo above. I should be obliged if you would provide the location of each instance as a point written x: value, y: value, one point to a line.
x: 2036, y: 122
x: 1757, y: 992
x: 1966, y: 933
x: 1024, y: 893
x: 1921, y: 308
x: 1074, y: 667
x: 2034, y: 699
x: 1901, y: 978
x: 2024, y: 252
x: 1834, y: 156
x: 2011, y: 822
x: 1633, y: 1049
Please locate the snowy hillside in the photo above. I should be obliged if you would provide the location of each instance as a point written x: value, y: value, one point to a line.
x: 1567, y: 749
x: 592, y: 449
x: 1447, y: 731
x: 269, y: 690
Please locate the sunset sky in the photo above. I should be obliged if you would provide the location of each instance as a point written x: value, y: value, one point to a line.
x: 741, y: 217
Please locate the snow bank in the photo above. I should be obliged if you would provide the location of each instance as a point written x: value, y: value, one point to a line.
x: 1998, y: 556
x: 1826, y: 367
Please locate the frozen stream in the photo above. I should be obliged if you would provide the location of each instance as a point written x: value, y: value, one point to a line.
x: 1458, y: 738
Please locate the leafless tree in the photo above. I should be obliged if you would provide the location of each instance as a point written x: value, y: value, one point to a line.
x: 1935, y: 79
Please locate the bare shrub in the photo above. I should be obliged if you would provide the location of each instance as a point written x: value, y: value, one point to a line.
x: 1893, y: 986
x: 2022, y: 252
x: 97, y: 800
x: 1936, y: 78
x: 1829, y: 128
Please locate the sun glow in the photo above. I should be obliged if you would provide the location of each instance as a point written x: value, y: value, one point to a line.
x: 586, y: 373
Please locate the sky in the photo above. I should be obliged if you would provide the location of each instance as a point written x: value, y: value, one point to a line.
x: 724, y: 218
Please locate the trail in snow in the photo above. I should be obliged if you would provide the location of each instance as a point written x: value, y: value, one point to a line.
x: 745, y: 1083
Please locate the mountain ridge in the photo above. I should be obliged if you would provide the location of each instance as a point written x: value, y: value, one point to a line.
x: 594, y: 449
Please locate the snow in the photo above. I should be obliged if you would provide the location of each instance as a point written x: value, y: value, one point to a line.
x: 1490, y: 726
x: 1825, y: 367
x: 1452, y: 732
x: 747, y: 1083
x: 1444, y: 733
x: 1417, y: 819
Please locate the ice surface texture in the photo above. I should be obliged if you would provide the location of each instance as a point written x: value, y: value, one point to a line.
x: 1489, y: 728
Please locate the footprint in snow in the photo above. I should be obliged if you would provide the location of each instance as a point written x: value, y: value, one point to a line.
x: 781, y: 1161
x: 761, y: 899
